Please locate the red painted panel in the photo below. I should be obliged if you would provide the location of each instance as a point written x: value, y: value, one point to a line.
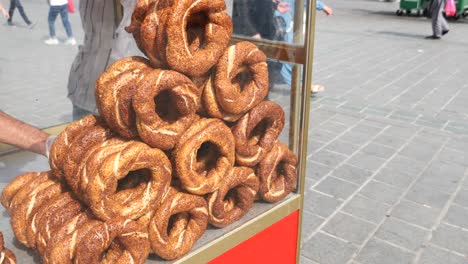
x: 275, y: 244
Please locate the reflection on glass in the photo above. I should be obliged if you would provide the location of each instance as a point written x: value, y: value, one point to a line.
x: 265, y: 19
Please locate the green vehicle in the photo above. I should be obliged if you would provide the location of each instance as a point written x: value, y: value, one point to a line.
x: 419, y: 6
x: 462, y: 8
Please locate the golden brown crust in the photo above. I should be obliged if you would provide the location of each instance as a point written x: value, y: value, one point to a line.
x: 139, y: 14
x: 114, y: 91
x: 64, y: 233
x: 123, y: 240
x: 203, y: 155
x: 190, y: 218
x: 64, y: 251
x: 82, y: 143
x: 54, y: 217
x: 187, y: 36
x: 234, y: 198
x: 15, y: 185
x: 61, y: 144
x: 277, y: 173
x: 31, y: 207
x: 165, y: 106
x: 256, y: 132
x: 210, y: 23
x: 102, y: 193
x: 239, y: 83
x: 7, y: 257
x: 24, y: 201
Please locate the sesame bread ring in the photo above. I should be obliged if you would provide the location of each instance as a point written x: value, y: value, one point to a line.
x: 7, y: 257
x: 234, y: 198
x: 91, y: 136
x: 53, y: 216
x: 15, y: 185
x: 203, y: 156
x: 122, y: 240
x: 59, y: 149
x: 165, y: 106
x: 256, y: 132
x: 38, y: 191
x: 238, y: 84
x: 107, y: 199
x: 195, y: 52
x: 177, y: 224
x: 64, y: 235
x: 64, y: 251
x: 277, y: 173
x: 114, y: 91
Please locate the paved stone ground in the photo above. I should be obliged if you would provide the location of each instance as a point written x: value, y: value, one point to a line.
x: 33, y: 75
x: 386, y: 178
x: 388, y: 161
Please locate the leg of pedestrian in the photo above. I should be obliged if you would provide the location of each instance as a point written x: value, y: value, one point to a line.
x: 439, y: 24
x: 53, y: 13
x: 22, y: 13
x: 11, y: 10
x: 66, y: 24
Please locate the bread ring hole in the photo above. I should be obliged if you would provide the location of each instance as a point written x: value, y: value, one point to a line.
x: 258, y: 132
x: 207, y: 157
x: 134, y: 179
x: 168, y: 106
x: 195, y: 29
x: 279, y: 170
x: 242, y: 78
x: 110, y: 252
x: 231, y: 199
x: 177, y: 223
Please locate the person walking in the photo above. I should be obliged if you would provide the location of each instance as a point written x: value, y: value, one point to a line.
x: 439, y: 24
x: 16, y: 4
x: 59, y: 7
x: 286, y: 69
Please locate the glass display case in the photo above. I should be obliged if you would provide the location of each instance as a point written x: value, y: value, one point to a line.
x: 273, y: 226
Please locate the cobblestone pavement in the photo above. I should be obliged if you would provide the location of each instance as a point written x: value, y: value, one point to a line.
x: 388, y: 140
x: 33, y: 75
x: 387, y: 169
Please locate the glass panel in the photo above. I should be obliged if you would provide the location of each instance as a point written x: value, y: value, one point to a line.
x: 34, y: 75
x: 271, y: 20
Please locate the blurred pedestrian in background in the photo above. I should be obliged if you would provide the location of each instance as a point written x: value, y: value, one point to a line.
x: 57, y: 7
x: 286, y: 69
x: 439, y: 24
x: 17, y: 4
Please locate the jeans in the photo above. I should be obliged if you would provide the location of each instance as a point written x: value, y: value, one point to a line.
x: 17, y: 4
x: 53, y: 13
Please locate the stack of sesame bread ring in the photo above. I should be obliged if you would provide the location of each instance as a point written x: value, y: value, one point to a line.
x: 184, y: 141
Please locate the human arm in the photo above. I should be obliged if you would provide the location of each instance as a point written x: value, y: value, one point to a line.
x: 4, y: 12
x: 24, y: 136
x: 320, y: 6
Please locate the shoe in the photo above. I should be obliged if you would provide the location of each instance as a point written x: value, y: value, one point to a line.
x: 316, y: 88
x: 51, y: 41
x: 10, y: 23
x: 32, y: 25
x: 70, y: 41
x: 445, y: 32
x: 432, y: 37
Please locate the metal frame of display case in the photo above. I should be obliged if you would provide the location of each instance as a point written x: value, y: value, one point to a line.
x: 299, y: 52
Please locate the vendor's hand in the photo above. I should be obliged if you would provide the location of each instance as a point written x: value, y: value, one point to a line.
x: 283, y: 7
x: 327, y: 10
x: 48, y: 145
